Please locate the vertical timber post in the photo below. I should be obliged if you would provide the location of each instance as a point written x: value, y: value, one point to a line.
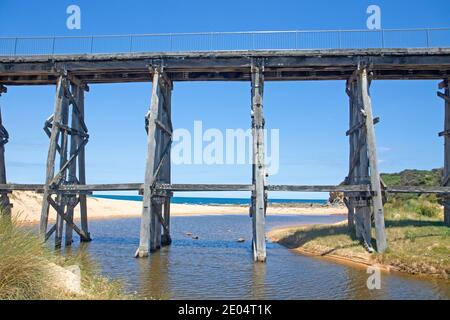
x: 159, y: 139
x: 352, y: 145
x: 147, y: 207
x: 82, y: 163
x: 258, y: 209
x: 72, y: 175
x: 377, y: 197
x: 166, y: 166
x: 359, y: 219
x: 77, y: 116
x: 445, y: 85
x: 5, y: 205
x: 64, y: 139
x: 50, y: 167
x: 362, y: 206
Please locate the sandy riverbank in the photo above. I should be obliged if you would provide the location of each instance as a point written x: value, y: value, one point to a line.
x: 361, y: 258
x: 332, y: 242
x: 28, y: 206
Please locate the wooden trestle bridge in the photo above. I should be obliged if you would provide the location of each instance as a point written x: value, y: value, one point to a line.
x: 65, y: 187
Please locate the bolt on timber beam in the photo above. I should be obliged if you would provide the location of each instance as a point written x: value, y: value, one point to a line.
x: 259, y: 198
x: 155, y: 219
x: 5, y: 205
x: 445, y: 85
x: 69, y: 142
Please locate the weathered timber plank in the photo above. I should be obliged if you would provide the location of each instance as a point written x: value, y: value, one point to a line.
x: 234, y: 65
x: 312, y: 74
x: 259, y: 168
x: 377, y: 199
x: 82, y: 167
x: 165, y: 175
x: 72, y: 170
x: 446, y: 95
x: 223, y: 187
x: 166, y: 238
x: 64, y: 141
x: 146, y: 239
x: 50, y: 167
x: 319, y: 188
x: 362, y: 209
x: 418, y: 189
x: 351, y: 85
x: 204, y: 187
x: 74, y: 188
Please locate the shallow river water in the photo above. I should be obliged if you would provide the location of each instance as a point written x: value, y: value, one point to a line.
x: 216, y: 266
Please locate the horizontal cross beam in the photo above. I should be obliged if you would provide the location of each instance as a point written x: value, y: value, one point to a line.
x: 320, y: 188
x: 78, y: 188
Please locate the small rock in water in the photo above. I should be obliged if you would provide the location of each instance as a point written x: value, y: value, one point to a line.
x: 189, y: 234
x: 240, y: 240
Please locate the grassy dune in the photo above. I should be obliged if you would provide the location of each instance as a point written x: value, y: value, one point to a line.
x: 418, y: 241
x: 25, y: 272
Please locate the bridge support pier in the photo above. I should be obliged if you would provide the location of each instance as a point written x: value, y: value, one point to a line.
x: 69, y: 142
x: 358, y: 204
x: 445, y: 85
x: 155, y: 222
x: 259, y: 199
x: 5, y: 205
x: 364, y: 165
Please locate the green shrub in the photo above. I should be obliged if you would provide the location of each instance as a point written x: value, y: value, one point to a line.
x: 410, y: 236
x: 428, y: 210
x: 424, y: 205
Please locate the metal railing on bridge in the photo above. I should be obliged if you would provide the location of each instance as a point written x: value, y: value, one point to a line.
x: 224, y: 41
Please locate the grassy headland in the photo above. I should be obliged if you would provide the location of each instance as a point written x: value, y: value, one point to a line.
x: 28, y: 268
x: 419, y: 243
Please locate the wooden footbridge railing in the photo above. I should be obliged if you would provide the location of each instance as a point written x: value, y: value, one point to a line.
x: 66, y: 188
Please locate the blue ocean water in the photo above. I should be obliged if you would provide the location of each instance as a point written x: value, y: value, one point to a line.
x: 212, y: 201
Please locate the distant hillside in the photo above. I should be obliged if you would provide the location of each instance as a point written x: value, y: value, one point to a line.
x: 404, y: 178
x: 413, y: 178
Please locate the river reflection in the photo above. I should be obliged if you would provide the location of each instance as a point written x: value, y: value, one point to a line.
x: 217, y: 266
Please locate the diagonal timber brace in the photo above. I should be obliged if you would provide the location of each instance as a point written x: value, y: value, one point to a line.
x: 61, y: 213
x: 155, y: 220
x: 69, y: 142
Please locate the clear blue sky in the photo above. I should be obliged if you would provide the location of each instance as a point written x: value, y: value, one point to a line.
x: 312, y: 116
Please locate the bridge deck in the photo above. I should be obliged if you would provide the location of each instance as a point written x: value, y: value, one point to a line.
x: 229, y: 65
